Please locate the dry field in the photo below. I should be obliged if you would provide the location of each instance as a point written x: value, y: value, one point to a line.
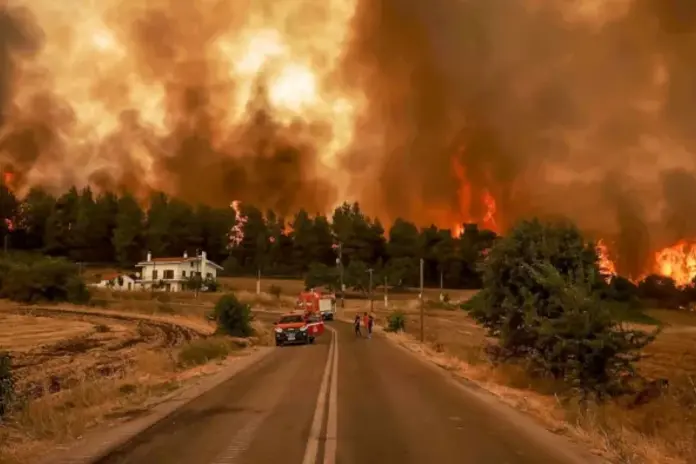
x: 293, y: 287
x: 77, y: 368
x: 661, y: 432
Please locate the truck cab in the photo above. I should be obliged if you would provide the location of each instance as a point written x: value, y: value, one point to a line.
x: 297, y: 328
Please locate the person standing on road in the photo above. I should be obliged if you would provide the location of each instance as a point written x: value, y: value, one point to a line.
x: 370, y: 324
x: 356, y: 323
x: 366, y: 323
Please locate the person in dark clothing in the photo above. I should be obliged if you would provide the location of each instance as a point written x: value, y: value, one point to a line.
x: 357, y: 326
x: 370, y: 324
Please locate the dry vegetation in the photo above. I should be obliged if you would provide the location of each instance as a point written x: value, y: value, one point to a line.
x: 79, y: 367
x: 660, y: 432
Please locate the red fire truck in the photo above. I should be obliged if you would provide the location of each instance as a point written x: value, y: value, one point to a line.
x: 316, y: 302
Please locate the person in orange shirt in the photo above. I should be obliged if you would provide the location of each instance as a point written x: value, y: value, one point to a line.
x: 366, y: 323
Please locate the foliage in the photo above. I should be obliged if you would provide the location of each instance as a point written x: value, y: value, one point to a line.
x: 583, y: 344
x: 541, y: 298
x: 7, y: 385
x: 664, y: 290
x: 35, y: 279
x: 321, y: 275
x: 101, y: 228
x: 396, y: 322
x: 196, y: 283
x: 200, y: 351
x: 233, y: 317
x: 275, y: 290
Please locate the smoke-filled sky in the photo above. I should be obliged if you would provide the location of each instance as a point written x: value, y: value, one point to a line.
x: 579, y: 108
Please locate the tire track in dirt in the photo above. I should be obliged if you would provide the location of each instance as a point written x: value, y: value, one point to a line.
x: 51, y: 367
x: 174, y: 333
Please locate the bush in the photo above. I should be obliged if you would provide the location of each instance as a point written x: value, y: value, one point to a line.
x: 275, y: 290
x: 541, y: 299
x: 196, y: 283
x: 233, y: 317
x: 37, y: 279
x: 7, y: 386
x: 201, y: 351
x: 583, y: 344
x: 396, y: 322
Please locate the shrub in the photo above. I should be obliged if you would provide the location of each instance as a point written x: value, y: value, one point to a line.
x: 211, y: 285
x: 275, y: 290
x: 396, y: 322
x: 196, y: 283
x: 541, y: 299
x: 32, y: 280
x: 233, y: 317
x: 7, y: 386
x: 201, y: 351
x: 583, y: 344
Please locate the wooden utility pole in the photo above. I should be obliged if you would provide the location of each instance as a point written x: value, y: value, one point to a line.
x: 422, y: 306
x: 339, y: 262
x: 442, y: 294
x: 372, y: 300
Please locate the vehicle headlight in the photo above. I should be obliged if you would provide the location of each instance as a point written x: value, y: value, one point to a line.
x: 278, y: 330
x: 303, y: 329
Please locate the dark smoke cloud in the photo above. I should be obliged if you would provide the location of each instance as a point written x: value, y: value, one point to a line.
x: 550, y: 108
x: 199, y: 158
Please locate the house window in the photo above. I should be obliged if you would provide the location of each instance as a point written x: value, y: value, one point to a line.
x: 183, y: 274
x: 169, y: 274
x: 198, y: 274
x: 209, y: 275
x: 191, y: 264
x: 154, y: 274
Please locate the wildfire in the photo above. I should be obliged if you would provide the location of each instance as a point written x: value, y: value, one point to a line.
x: 237, y: 233
x: 123, y: 83
x: 8, y: 179
x: 606, y: 264
x: 464, y: 197
x: 677, y: 262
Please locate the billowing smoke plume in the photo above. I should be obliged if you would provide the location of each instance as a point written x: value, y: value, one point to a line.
x: 434, y: 111
x: 577, y: 108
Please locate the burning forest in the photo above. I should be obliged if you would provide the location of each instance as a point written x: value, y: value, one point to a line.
x: 439, y: 112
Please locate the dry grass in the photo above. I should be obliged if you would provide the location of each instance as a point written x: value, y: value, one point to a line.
x: 663, y: 431
x: 19, y: 333
x: 100, y: 370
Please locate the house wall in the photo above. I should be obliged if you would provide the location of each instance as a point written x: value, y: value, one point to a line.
x: 128, y: 284
x: 174, y: 274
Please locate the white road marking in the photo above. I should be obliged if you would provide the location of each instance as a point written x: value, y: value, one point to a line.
x: 332, y: 421
x: 310, y: 456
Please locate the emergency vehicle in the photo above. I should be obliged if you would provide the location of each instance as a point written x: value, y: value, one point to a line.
x: 316, y: 302
x: 298, y: 328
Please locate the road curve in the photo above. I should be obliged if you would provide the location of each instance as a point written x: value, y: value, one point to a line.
x: 358, y: 402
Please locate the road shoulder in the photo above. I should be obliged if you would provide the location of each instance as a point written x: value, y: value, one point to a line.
x: 99, y: 443
x: 559, y: 445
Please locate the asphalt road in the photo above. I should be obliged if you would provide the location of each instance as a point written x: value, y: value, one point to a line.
x: 343, y: 401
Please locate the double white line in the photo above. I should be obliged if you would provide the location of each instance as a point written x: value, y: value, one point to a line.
x: 328, y: 384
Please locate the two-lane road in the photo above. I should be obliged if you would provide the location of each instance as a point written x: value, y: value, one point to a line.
x: 343, y: 401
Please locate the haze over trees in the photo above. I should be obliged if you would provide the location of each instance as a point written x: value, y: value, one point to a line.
x: 84, y: 227
x: 106, y: 229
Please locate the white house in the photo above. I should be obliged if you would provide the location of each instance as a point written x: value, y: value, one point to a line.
x: 118, y: 282
x: 172, y: 273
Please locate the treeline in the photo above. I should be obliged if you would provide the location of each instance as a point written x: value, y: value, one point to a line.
x: 84, y: 227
